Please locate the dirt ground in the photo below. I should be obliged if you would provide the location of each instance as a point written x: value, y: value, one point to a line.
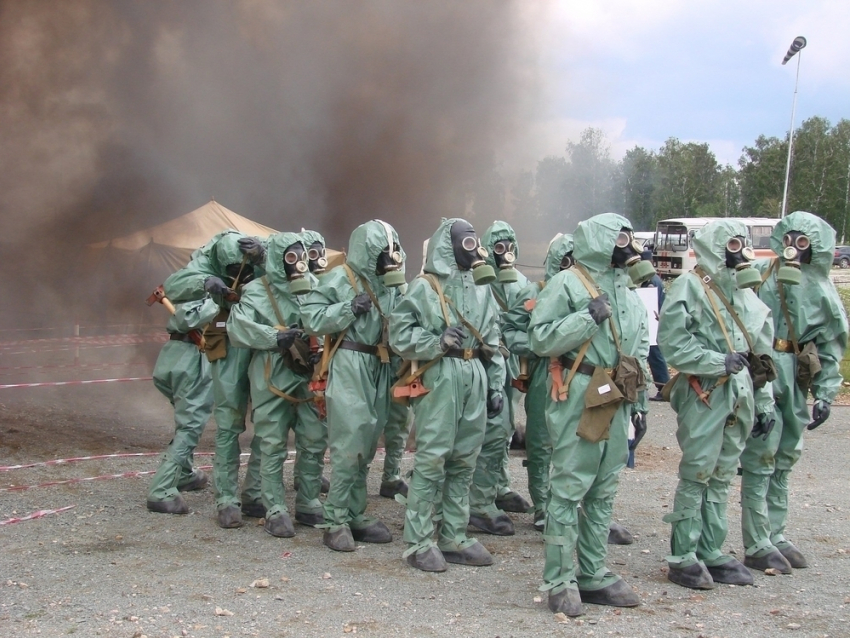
x: 107, y: 567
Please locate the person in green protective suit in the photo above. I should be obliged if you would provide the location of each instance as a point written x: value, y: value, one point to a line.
x: 589, y: 333
x: 797, y: 289
x: 490, y: 495
x: 182, y: 374
x: 535, y: 375
x: 267, y: 319
x: 701, y: 339
x: 350, y: 306
x: 451, y: 325
x: 219, y: 269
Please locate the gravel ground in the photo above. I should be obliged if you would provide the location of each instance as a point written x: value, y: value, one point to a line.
x: 107, y: 567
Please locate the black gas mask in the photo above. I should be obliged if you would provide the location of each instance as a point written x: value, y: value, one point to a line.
x: 296, y: 268
x: 739, y: 257
x: 567, y: 261
x: 627, y: 252
x: 504, y: 253
x: 797, y: 249
x: 317, y: 258
x: 239, y: 274
x: 469, y: 254
x: 390, y: 260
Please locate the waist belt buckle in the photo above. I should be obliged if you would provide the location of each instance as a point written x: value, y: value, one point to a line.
x: 782, y: 345
x: 468, y: 353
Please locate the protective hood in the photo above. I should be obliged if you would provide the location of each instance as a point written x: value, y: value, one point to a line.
x: 499, y: 231
x: 595, y: 239
x: 275, y: 249
x: 310, y: 237
x: 226, y: 251
x: 560, y: 246
x: 440, y: 257
x: 366, y: 243
x: 710, y: 246
x: 820, y: 233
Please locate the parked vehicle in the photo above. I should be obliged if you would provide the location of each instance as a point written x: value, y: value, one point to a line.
x: 842, y: 257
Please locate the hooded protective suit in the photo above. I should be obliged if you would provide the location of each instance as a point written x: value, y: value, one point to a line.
x: 538, y: 444
x: 491, y: 478
x: 583, y: 472
x: 254, y: 323
x: 817, y: 315
x: 182, y: 374
x: 230, y: 374
x: 711, y: 436
x: 451, y: 418
x: 358, y: 392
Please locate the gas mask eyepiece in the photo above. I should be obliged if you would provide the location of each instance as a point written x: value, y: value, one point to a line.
x: 626, y: 250
x: 504, y: 253
x: 390, y: 260
x: 798, y: 250
x: 567, y: 262
x: 296, y: 267
x: 470, y: 254
x: 740, y: 256
x: 317, y: 258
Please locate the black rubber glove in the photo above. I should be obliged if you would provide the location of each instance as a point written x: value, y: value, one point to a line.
x: 285, y: 338
x: 735, y: 362
x: 253, y: 248
x: 315, y: 358
x: 764, y: 424
x: 820, y: 413
x: 215, y: 286
x: 600, y: 308
x: 495, y: 403
x: 361, y: 304
x: 639, y: 423
x: 452, y: 337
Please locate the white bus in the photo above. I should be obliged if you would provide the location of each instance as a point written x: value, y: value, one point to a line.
x: 673, y: 252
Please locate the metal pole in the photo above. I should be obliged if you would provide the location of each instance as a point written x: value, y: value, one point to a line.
x: 790, y: 140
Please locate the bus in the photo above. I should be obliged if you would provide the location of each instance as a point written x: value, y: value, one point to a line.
x: 673, y: 252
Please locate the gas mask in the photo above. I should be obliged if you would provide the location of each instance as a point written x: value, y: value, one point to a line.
x: 504, y: 252
x: 567, y: 261
x: 798, y: 250
x: 390, y: 261
x: 239, y: 274
x: 469, y: 254
x: 739, y: 256
x: 296, y: 267
x: 317, y: 258
x: 627, y: 253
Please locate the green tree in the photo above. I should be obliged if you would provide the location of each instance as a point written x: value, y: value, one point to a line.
x: 761, y: 174
x: 638, y: 174
x: 688, y: 180
x: 590, y: 174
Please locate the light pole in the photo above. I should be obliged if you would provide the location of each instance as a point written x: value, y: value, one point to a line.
x: 798, y: 44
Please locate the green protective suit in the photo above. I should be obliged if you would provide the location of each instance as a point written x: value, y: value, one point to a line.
x: 254, y: 323
x: 817, y: 315
x: 451, y: 419
x: 358, y: 395
x: 182, y: 374
x: 538, y: 444
x: 230, y: 374
x: 711, y: 438
x: 585, y: 473
x: 491, y: 477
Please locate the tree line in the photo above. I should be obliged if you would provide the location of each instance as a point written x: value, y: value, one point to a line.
x: 681, y: 180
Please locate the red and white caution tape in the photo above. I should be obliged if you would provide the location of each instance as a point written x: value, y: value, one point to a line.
x: 105, y: 477
x: 58, y: 383
x: 75, y: 366
x: 34, y: 515
x: 98, y: 457
x: 106, y: 340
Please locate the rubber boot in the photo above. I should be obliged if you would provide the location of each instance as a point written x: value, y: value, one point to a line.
x: 619, y: 535
x: 175, y: 506
x: 280, y: 526
x: 694, y: 576
x: 730, y: 573
x: 500, y: 525
x: 431, y: 560
x: 198, y: 481
x: 310, y: 519
x: 794, y: 556
x: 567, y: 602
x: 617, y: 594
x: 540, y: 521
x: 340, y: 540
x: 390, y: 488
x: 773, y: 560
x: 377, y: 532
x: 476, y: 555
x: 229, y: 517
x: 254, y: 510
x: 512, y: 502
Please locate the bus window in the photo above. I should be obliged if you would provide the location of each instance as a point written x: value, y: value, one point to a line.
x: 761, y: 236
x: 672, y: 237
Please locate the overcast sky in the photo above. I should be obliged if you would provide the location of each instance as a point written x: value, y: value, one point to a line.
x: 703, y: 71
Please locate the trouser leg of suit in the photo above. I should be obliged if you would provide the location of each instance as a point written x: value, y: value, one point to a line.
x: 513, y: 397
x: 311, y: 441
x: 273, y: 418
x: 182, y: 374
x: 538, y: 444
x: 396, y: 431
x: 711, y: 441
x: 488, y: 474
x: 231, y: 389
x: 450, y: 424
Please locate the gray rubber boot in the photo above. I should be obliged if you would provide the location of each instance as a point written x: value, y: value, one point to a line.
x: 731, y: 573
x: 198, y: 481
x: 254, y: 510
x: 773, y: 560
x: 567, y: 602
x: 694, y: 576
x: 175, y: 506
x: 501, y: 525
x: 280, y: 526
x: 229, y: 517
x: 617, y: 594
x: 476, y: 555
x: 619, y: 535
x: 340, y: 540
x: 512, y: 502
x: 377, y: 532
x: 390, y: 488
x: 310, y: 519
x: 431, y: 560
x: 794, y: 556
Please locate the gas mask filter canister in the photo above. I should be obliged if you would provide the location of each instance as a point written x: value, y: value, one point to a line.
x: 792, y: 254
x: 298, y: 282
x: 482, y: 273
x: 505, y: 254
